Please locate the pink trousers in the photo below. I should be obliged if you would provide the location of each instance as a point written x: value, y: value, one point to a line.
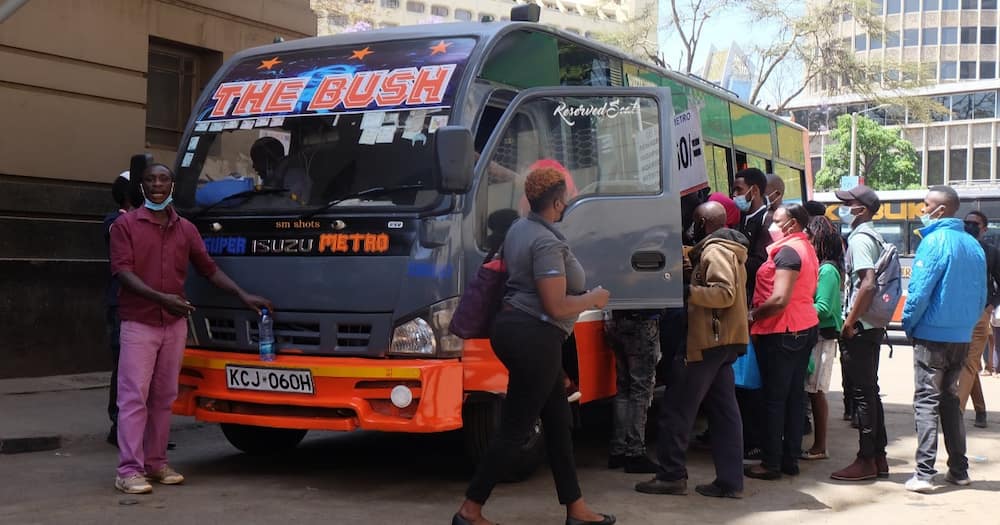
x: 148, y: 368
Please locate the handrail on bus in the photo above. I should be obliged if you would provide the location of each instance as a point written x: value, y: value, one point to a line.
x: 713, y: 84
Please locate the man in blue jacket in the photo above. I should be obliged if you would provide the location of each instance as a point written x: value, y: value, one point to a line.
x: 946, y: 297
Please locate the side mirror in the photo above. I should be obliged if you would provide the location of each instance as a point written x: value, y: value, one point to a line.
x: 453, y: 159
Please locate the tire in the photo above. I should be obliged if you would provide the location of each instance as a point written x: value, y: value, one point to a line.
x: 261, y: 441
x: 481, y: 420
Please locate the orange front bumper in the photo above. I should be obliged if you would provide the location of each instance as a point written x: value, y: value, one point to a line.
x: 349, y: 393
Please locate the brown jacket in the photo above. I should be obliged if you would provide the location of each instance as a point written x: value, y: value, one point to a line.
x: 717, y: 305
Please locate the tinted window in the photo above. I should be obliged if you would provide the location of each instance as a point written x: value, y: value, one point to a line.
x: 987, y: 70
x: 892, y: 39
x: 989, y: 4
x: 935, y: 167
x: 967, y: 69
x: 930, y: 5
x: 876, y: 43
x: 957, y: 158
x: 949, y: 35
x: 911, y: 6
x: 911, y: 37
x: 860, y: 42
x: 949, y: 5
x: 930, y: 36
x: 988, y: 35
x: 970, y: 4
x: 892, y: 7
x: 969, y: 35
x: 949, y: 70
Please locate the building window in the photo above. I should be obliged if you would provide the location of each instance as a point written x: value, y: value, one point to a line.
x: 987, y: 70
x: 416, y: 7
x: 877, y: 8
x: 338, y: 20
x: 892, y: 7
x: 949, y: 35
x: 573, y: 30
x: 892, y: 39
x: 928, y: 71
x: 388, y: 24
x: 860, y: 42
x: 981, y: 163
x: 988, y: 35
x: 949, y: 5
x: 930, y: 36
x: 911, y: 37
x: 171, y: 89
x: 957, y: 169
x: 874, y: 42
x: 970, y: 5
x: 989, y: 4
x: 935, y: 167
x: 945, y: 115
x: 969, y: 35
x: 487, y: 16
x: 463, y: 14
x: 967, y: 69
x: 389, y: 4
x: 930, y: 5
x: 911, y: 6
x: 439, y: 10
x: 949, y: 70
x: 844, y: 17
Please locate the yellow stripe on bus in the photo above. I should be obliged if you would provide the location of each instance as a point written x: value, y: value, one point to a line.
x: 359, y: 372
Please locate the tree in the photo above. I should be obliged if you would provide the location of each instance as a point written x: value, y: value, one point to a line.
x: 638, y: 36
x: 885, y: 159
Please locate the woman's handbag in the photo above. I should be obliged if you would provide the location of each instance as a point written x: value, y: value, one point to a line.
x: 746, y: 370
x: 480, y: 302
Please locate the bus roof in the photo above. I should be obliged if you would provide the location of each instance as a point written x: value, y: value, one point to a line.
x: 487, y: 31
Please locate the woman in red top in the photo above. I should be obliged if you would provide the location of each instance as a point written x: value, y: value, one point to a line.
x: 784, y: 324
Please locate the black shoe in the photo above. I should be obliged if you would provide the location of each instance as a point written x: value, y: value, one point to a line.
x: 457, y: 519
x: 759, y: 472
x: 616, y: 461
x: 112, y: 438
x: 640, y: 465
x: 791, y: 470
x: 714, y: 491
x: 608, y: 520
x: 980, y: 420
x: 753, y: 454
x: 807, y: 427
x: 660, y: 486
x: 171, y: 445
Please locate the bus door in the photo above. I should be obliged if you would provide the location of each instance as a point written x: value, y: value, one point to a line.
x: 623, y: 221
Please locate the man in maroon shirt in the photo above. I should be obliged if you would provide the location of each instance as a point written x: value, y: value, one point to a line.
x: 151, y: 247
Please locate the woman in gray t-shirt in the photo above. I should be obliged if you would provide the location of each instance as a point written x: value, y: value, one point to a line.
x: 545, y: 296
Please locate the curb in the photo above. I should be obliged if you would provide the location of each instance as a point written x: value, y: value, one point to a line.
x: 29, y: 444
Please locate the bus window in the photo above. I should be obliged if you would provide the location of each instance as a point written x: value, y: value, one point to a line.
x: 717, y: 160
x: 892, y: 232
x: 793, y: 182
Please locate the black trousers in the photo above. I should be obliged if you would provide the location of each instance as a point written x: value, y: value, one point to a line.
x: 531, y: 349
x: 114, y: 325
x: 708, y: 383
x: 860, y: 356
x: 783, y: 360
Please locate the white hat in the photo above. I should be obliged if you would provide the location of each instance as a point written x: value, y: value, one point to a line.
x: 124, y: 175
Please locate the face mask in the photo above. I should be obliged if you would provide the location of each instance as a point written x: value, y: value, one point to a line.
x: 845, y: 214
x: 972, y: 229
x: 928, y: 218
x: 776, y: 232
x: 742, y: 203
x: 154, y: 206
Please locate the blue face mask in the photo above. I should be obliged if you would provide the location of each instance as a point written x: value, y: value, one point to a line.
x: 928, y: 218
x: 742, y: 203
x: 845, y: 214
x: 154, y: 206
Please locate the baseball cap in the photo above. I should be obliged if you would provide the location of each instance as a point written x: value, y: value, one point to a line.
x: 862, y: 194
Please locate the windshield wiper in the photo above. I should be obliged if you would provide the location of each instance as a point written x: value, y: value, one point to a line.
x: 377, y: 190
x: 263, y: 190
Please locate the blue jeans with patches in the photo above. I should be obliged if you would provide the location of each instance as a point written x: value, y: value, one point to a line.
x: 936, y: 368
x: 635, y: 339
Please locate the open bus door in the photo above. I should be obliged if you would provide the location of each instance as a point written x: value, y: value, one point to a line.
x: 623, y: 222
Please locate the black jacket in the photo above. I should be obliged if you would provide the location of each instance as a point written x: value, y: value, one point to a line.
x: 992, y: 273
x: 756, y: 232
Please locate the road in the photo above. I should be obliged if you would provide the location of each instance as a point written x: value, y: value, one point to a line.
x: 382, y: 478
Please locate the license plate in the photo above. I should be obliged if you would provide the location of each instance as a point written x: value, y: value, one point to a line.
x: 269, y: 379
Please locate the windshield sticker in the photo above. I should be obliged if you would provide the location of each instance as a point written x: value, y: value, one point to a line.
x: 262, y: 123
x: 216, y: 126
x: 437, y: 122
x: 368, y: 136
x: 386, y: 134
x: 610, y: 110
x: 391, y: 118
x: 354, y: 242
x: 319, y: 81
x: 193, y: 143
x: 187, y: 160
x: 247, y: 124
x: 231, y: 124
x: 201, y: 126
x: 372, y: 119
x: 277, y: 122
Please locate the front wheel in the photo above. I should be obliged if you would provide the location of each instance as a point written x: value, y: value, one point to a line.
x: 481, y: 420
x: 262, y: 440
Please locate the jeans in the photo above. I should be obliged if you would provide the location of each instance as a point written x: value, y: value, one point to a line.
x: 114, y: 325
x: 968, y: 380
x: 708, y: 383
x: 783, y: 360
x: 936, y: 368
x: 531, y: 349
x: 860, y: 358
x: 149, y: 367
x: 636, y: 343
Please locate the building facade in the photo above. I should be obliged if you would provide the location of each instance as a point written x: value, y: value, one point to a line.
x: 583, y: 17
x: 952, y: 45
x: 83, y: 86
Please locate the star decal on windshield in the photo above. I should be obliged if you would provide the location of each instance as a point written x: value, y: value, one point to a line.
x: 268, y: 64
x: 360, y: 54
x: 440, y: 48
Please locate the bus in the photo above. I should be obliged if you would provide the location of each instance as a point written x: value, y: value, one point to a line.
x: 899, y: 219
x: 358, y: 180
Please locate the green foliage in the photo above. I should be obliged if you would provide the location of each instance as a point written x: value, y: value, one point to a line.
x: 885, y: 159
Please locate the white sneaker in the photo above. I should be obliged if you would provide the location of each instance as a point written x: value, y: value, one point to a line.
x: 166, y: 476
x: 133, y: 484
x: 955, y: 480
x: 916, y: 484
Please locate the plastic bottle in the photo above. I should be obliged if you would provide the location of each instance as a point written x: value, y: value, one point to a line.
x: 266, y: 335
x: 979, y: 459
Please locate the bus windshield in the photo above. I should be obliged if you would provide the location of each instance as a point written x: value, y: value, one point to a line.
x: 314, y: 126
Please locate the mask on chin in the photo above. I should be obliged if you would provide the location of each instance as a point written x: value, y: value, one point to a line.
x: 150, y: 205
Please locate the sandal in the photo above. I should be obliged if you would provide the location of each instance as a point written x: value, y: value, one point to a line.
x: 807, y: 455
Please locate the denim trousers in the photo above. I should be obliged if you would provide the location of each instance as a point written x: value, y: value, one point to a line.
x: 936, y: 368
x: 860, y: 358
x: 148, y: 369
x: 783, y: 360
x: 636, y: 344
x: 710, y: 384
x: 531, y: 349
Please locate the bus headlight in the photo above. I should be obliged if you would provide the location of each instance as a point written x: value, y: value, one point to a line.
x: 428, y: 334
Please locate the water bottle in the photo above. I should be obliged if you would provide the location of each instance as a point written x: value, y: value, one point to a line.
x: 266, y: 335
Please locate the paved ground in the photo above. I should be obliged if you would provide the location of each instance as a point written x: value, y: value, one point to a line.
x: 380, y: 478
